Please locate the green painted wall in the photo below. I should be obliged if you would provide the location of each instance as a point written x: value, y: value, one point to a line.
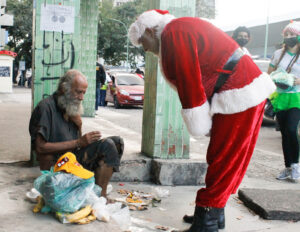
x: 164, y: 133
x: 56, y: 52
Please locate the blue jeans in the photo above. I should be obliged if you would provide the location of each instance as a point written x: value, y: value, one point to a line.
x: 102, y: 97
x: 97, y: 103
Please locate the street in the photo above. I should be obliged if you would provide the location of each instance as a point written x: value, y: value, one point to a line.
x: 265, y: 166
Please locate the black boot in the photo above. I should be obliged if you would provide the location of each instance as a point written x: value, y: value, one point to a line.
x: 205, y: 220
x: 221, y: 220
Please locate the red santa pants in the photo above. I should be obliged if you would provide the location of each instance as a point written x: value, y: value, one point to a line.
x: 233, y: 138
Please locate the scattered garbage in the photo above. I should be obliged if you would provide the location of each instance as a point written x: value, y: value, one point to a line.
x: 82, y: 216
x: 40, y: 204
x: 140, y: 225
x: 109, y: 189
x: 64, y: 192
x: 161, y: 193
x: 67, y: 195
x: 164, y: 228
x: 139, y: 201
x: 100, y: 210
x: 122, y: 218
x: 32, y: 195
x: 76, y: 200
x: 116, y: 211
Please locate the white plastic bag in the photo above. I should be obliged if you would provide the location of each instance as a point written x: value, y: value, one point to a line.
x: 32, y: 195
x: 122, y: 218
x: 160, y: 192
x: 100, y: 210
x: 109, y: 189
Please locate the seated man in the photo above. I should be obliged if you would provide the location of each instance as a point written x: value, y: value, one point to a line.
x: 55, y: 128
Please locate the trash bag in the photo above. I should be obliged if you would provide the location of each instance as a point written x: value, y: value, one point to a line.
x: 64, y: 192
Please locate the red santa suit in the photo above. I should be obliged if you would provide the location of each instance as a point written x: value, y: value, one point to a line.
x: 193, y: 52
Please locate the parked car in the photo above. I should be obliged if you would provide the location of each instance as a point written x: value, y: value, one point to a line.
x: 125, y: 89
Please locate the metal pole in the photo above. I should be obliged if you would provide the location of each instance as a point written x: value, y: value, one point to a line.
x: 127, y: 39
x: 267, y: 31
x: 127, y: 54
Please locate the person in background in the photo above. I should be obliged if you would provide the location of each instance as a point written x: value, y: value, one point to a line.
x: 286, y: 102
x: 103, y: 86
x: 242, y: 36
x: 55, y: 128
x: 140, y: 73
x: 22, y: 78
x: 98, y: 85
x: 15, y: 72
x: 218, y: 87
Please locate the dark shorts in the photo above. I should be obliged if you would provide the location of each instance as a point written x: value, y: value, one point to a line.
x: 109, y: 149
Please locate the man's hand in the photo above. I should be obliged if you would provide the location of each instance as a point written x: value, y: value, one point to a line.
x: 89, y: 138
x: 297, y: 81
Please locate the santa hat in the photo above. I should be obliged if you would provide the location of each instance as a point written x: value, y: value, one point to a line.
x: 293, y: 27
x: 149, y: 19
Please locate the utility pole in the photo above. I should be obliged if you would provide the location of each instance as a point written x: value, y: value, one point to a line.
x: 267, y: 31
x: 126, y: 39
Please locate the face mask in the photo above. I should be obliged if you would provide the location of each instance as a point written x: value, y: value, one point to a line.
x: 242, y: 42
x: 290, y: 42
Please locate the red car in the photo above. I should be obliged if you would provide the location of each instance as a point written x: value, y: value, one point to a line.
x: 125, y: 89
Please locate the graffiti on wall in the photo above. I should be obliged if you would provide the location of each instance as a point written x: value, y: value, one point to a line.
x: 67, y: 54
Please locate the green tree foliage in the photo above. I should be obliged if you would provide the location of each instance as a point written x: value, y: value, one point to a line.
x: 112, y: 35
x: 20, y: 34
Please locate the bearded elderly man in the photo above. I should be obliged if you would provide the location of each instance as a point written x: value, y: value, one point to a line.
x: 222, y: 93
x: 55, y: 128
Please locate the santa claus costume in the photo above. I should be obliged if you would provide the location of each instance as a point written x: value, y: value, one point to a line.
x: 222, y: 93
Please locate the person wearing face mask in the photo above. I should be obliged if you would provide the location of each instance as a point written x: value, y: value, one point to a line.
x: 286, y: 101
x: 242, y: 36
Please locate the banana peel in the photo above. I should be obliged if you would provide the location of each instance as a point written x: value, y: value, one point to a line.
x: 40, y: 204
x: 80, y: 214
x: 86, y: 220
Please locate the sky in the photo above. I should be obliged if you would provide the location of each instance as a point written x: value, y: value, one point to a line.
x: 233, y: 13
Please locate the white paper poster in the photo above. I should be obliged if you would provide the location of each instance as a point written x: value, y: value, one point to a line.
x: 57, y: 18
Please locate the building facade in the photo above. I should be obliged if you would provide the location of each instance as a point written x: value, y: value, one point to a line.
x: 5, y: 21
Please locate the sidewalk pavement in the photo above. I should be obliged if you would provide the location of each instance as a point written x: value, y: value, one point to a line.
x: 16, y: 178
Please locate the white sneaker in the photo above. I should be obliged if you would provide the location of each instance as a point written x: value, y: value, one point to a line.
x: 284, y: 174
x: 295, y: 174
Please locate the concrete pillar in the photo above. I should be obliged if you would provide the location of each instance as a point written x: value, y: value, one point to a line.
x: 164, y: 133
x: 65, y: 36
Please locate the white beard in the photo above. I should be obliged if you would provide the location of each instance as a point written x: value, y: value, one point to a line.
x: 72, y: 106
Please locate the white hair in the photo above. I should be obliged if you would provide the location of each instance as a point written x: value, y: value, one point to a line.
x: 148, y: 19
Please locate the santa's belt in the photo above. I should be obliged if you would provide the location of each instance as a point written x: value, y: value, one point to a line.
x: 227, y: 69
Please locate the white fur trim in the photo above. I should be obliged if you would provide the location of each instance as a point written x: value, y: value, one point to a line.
x: 148, y: 19
x: 197, y: 120
x: 238, y: 100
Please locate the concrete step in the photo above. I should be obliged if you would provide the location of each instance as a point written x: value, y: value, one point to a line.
x: 163, y: 172
x: 272, y: 204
